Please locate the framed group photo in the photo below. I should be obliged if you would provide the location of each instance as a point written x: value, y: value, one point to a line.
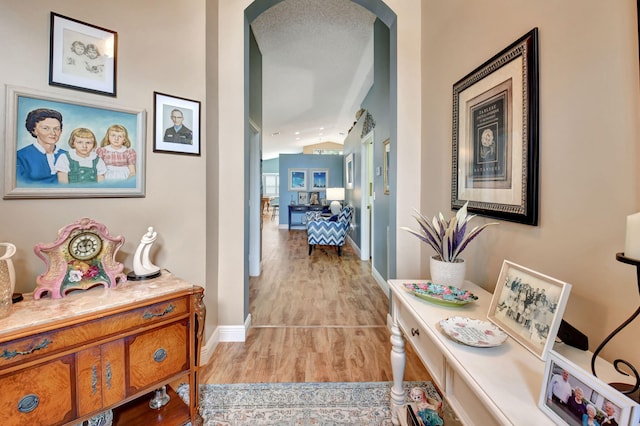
x: 176, y: 126
x: 495, y: 135
x: 82, y: 56
x: 59, y: 147
x: 574, y: 397
x: 528, y: 306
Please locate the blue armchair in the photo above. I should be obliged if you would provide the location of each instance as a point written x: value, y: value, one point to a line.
x: 321, y: 231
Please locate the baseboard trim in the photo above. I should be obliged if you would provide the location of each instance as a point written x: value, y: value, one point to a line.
x: 224, y: 333
x: 381, y: 281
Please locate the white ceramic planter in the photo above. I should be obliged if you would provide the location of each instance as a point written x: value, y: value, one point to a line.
x: 447, y: 273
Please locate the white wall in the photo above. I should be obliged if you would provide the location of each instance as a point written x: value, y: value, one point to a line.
x: 160, y: 48
x: 588, y: 147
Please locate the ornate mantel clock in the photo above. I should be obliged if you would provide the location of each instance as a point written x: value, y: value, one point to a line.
x: 83, y: 256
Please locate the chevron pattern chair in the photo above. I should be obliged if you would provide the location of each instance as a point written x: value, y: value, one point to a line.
x: 321, y: 231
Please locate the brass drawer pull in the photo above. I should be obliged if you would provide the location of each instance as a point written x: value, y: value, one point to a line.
x: 160, y: 355
x: 10, y: 354
x: 28, y: 403
x: 415, y: 331
x: 109, y: 375
x: 149, y: 315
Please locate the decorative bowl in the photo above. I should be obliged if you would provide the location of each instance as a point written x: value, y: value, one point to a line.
x: 439, y: 294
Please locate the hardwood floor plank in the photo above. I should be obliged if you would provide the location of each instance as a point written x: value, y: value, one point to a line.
x: 318, y: 318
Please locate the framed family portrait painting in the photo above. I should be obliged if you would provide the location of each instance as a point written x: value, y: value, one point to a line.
x: 528, y: 306
x: 495, y: 135
x: 66, y: 148
x: 176, y: 127
x: 82, y: 56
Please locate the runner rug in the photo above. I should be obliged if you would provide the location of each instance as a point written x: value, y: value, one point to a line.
x: 286, y: 404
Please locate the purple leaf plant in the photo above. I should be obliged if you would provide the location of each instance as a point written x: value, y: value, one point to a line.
x: 447, y: 237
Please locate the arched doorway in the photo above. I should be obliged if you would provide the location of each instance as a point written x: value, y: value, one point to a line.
x: 387, y: 232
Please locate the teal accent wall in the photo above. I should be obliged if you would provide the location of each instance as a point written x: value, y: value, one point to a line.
x: 271, y: 166
x: 378, y: 104
x: 335, y: 164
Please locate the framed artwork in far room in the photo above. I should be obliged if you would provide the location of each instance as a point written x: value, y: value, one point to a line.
x: 176, y: 124
x: 319, y: 179
x: 297, y: 179
x: 495, y: 135
x: 82, y: 56
x: 348, y: 169
x: 386, y: 152
x: 528, y: 306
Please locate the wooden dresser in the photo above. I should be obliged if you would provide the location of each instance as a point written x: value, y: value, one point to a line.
x: 66, y: 360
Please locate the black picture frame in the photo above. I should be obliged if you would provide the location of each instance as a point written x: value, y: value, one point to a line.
x: 82, y: 56
x: 495, y: 135
x: 184, y: 141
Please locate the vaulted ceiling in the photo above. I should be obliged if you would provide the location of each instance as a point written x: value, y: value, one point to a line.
x: 317, y: 65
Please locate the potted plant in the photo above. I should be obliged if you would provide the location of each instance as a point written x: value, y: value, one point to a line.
x: 448, y: 238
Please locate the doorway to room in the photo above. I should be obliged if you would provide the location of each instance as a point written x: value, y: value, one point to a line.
x: 382, y: 12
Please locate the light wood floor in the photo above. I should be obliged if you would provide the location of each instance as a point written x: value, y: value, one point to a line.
x: 318, y: 318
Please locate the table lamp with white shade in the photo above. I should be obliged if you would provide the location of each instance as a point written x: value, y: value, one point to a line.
x: 335, y: 195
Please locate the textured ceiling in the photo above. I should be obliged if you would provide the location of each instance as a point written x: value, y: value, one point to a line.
x: 317, y: 65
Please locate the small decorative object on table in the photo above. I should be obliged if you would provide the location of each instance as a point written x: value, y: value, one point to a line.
x: 441, y: 294
x: 448, y: 238
x: 143, y: 269
x: 428, y: 409
x: 83, y: 256
x: 473, y: 332
x: 7, y: 279
x: 160, y: 398
x: 631, y: 390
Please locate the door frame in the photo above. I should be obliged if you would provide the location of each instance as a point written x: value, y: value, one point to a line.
x: 366, y: 201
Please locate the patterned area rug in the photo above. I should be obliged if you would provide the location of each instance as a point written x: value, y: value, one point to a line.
x: 286, y: 404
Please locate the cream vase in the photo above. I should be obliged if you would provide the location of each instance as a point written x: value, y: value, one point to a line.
x: 447, y: 273
x: 7, y: 279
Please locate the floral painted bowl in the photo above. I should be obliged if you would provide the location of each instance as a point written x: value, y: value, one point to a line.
x: 446, y: 295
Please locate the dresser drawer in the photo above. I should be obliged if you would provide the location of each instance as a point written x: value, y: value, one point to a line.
x: 419, y: 338
x: 40, y: 395
x: 157, y: 355
x: 32, y: 348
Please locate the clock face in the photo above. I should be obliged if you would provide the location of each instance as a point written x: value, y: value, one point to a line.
x: 85, y: 246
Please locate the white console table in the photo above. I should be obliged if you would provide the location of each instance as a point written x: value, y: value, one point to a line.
x: 484, y: 386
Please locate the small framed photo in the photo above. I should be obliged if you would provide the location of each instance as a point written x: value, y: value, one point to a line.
x: 386, y: 150
x: 297, y: 179
x: 82, y: 56
x: 303, y: 198
x: 528, y: 306
x: 348, y: 170
x: 176, y: 126
x: 319, y: 179
x: 572, y: 396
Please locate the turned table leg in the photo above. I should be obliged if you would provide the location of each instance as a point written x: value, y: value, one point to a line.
x: 398, y: 362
